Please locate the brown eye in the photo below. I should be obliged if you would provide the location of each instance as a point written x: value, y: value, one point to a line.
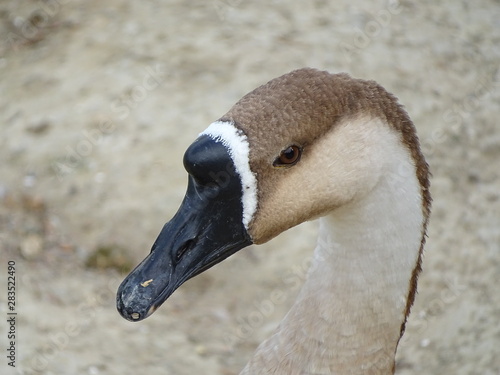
x: 288, y: 157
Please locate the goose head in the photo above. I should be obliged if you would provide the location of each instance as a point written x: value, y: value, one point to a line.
x: 299, y: 147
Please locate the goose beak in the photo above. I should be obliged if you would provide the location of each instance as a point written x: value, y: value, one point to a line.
x: 206, y: 229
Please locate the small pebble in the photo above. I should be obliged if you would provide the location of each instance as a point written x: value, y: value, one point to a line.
x: 100, y: 177
x: 425, y: 343
x: 31, y: 246
x: 201, y: 349
x: 29, y: 180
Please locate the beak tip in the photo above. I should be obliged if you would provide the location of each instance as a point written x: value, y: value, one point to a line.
x: 129, y: 313
x: 133, y: 301
x: 134, y: 315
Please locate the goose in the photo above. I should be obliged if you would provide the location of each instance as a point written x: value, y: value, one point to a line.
x: 306, y: 145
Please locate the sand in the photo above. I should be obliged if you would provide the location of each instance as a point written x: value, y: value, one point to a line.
x: 98, y: 102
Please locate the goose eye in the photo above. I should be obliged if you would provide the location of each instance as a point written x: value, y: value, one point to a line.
x: 288, y: 157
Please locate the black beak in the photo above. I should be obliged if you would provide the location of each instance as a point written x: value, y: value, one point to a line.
x: 207, y: 228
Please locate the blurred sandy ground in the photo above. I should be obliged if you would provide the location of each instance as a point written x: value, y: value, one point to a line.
x: 99, y: 100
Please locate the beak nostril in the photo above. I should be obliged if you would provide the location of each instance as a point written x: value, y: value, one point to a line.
x: 183, y: 249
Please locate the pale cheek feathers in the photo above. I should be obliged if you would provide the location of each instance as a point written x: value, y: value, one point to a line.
x: 342, y: 166
x: 291, y: 197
